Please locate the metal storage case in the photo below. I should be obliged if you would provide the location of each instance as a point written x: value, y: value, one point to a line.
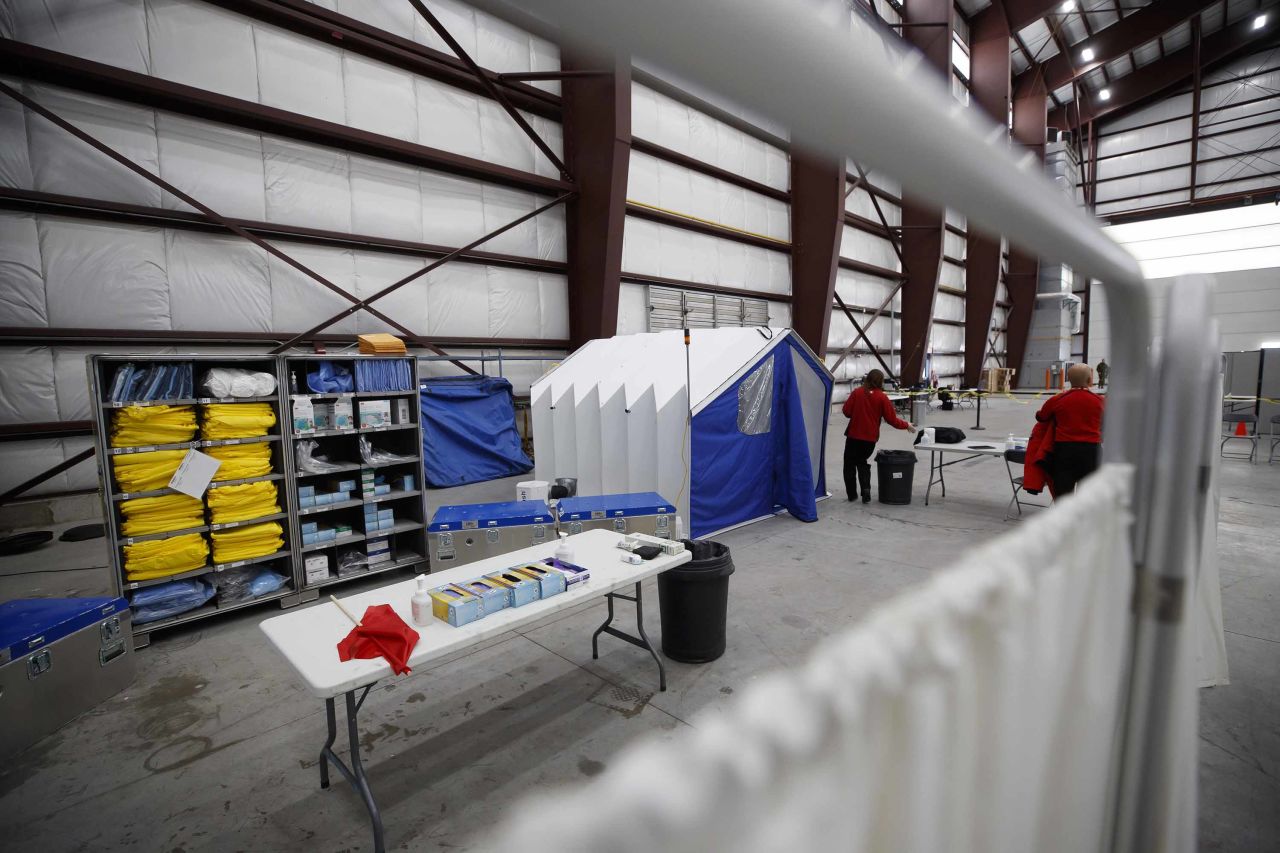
x: 640, y: 512
x: 469, y: 532
x: 59, y: 657
x: 102, y: 371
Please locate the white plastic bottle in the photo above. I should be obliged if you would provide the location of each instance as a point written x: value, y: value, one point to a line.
x: 679, y: 528
x: 564, y: 552
x: 421, y: 602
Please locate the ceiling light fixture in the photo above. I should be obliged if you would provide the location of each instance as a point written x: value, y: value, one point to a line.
x: 1259, y: 22
x: 1067, y: 6
x: 1104, y: 94
x: 1087, y: 54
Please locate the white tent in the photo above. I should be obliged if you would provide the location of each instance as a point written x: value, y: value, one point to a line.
x: 615, y: 415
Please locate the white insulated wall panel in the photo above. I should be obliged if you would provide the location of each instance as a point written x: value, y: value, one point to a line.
x: 651, y: 248
x: 659, y: 183
x: 22, y: 299
x: 947, y: 306
x: 217, y: 283
x: 100, y: 276
x: 862, y: 203
x: 15, y: 164
x: 859, y: 245
x: 220, y: 51
x: 665, y: 121
x: 113, y: 32
x: 216, y: 165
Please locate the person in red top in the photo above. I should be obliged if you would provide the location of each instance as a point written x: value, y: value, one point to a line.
x: 1076, y: 415
x: 865, y: 408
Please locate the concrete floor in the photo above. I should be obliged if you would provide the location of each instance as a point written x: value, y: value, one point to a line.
x: 214, y: 747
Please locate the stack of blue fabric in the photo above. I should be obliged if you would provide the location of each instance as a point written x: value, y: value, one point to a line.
x: 134, y: 383
x: 383, y: 374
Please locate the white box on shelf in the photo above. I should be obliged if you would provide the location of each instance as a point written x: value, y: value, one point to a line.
x: 317, y: 567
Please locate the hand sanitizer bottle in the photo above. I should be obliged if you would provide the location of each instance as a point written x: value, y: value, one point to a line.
x: 421, y: 602
x: 564, y: 553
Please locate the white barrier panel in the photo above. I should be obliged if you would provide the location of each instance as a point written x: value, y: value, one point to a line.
x: 978, y: 713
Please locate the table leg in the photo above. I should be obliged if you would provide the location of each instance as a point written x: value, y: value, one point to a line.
x: 642, y: 641
x: 354, y: 774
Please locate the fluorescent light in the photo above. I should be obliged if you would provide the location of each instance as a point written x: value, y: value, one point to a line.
x: 1104, y: 94
x: 1259, y: 22
x: 1087, y: 54
x: 1067, y: 6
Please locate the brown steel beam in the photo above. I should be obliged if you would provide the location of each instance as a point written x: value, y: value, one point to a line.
x: 350, y: 34
x: 923, y: 225
x: 1021, y: 13
x: 491, y: 88
x: 653, y: 149
x: 1030, y: 131
x: 51, y: 204
x: 703, y: 287
x: 51, y: 336
x: 1195, y: 104
x: 817, y: 202
x: 1157, y: 78
x: 992, y: 92
x: 47, y: 66
x: 549, y: 75
x: 689, y: 223
x: 49, y: 429
x: 597, y: 144
x: 870, y: 269
x: 1117, y: 40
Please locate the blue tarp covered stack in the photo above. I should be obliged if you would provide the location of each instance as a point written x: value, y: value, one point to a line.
x: 469, y: 431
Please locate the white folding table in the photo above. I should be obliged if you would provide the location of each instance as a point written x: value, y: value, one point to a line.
x: 971, y: 448
x: 308, y: 639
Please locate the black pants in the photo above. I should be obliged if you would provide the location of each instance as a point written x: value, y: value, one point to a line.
x: 856, y: 467
x: 1072, y: 462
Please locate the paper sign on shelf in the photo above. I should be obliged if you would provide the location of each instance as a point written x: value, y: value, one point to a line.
x: 194, y: 473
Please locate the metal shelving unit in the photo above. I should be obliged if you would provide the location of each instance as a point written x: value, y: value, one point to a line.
x: 101, y: 370
x: 407, y: 537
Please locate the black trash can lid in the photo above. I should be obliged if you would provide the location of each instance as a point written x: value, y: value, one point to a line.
x: 899, y: 457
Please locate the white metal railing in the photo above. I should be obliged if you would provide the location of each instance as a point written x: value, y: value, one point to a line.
x: 841, y: 88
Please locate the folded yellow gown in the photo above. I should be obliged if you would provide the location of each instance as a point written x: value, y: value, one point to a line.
x: 236, y: 420
x: 242, y: 543
x: 239, y: 503
x: 158, y: 558
x: 160, y: 514
x: 240, y: 461
x: 140, y: 472
x: 137, y: 425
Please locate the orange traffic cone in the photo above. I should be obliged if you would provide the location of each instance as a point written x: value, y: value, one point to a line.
x: 1241, y: 429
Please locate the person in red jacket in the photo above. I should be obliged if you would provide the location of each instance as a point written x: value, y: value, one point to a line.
x: 865, y: 408
x: 1076, y: 415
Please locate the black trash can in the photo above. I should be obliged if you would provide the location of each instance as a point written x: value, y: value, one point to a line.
x: 693, y: 600
x: 894, y: 469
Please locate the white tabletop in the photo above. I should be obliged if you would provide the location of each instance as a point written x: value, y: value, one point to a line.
x: 309, y: 638
x: 974, y: 446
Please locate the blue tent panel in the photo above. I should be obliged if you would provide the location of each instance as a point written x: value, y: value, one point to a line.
x: 741, y: 471
x: 469, y: 431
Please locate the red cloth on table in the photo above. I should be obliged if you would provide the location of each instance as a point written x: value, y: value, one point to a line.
x: 1035, y: 468
x: 864, y: 409
x: 381, y: 634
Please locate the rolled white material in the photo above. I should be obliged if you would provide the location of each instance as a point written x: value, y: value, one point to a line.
x: 977, y: 713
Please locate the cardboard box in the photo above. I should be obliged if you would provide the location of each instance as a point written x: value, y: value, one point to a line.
x: 400, y: 411
x: 521, y: 589
x: 382, y: 489
x: 455, y: 605
x: 550, y: 582
x: 341, y: 416
x: 310, y: 527
x: 344, y: 486
x: 323, y: 498
x: 375, y: 413
x: 305, y: 501
x: 406, y: 482
x: 573, y: 574
x: 306, y: 491
x: 386, y: 514
x: 322, y: 415
x: 493, y: 597
x: 317, y: 567
x: 304, y: 415
x: 342, y: 530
